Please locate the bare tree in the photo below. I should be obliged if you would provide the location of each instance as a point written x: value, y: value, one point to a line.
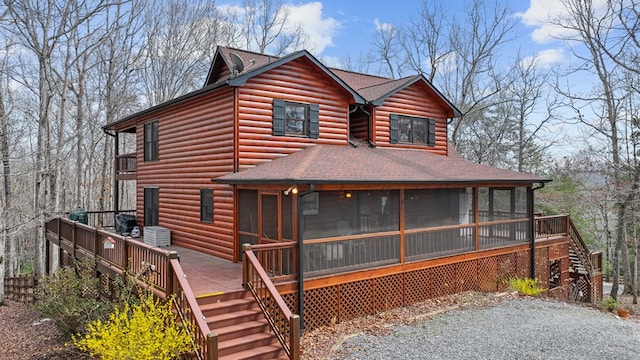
x: 264, y: 26
x: 179, y: 42
x: 531, y: 112
x: 387, y: 47
x: 425, y: 43
x: 39, y: 28
x: 6, y: 181
x: 592, y: 32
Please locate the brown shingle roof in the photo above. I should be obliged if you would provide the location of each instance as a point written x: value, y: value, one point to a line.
x: 333, y: 164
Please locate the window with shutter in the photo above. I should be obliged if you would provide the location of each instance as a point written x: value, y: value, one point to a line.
x: 411, y: 130
x: 393, y: 128
x: 296, y: 119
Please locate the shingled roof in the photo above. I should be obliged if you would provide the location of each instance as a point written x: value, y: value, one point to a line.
x: 331, y: 164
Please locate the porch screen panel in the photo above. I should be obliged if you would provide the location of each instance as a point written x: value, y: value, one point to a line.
x: 248, y: 216
x: 503, y: 214
x: 437, y: 207
x: 350, y: 230
x: 345, y: 213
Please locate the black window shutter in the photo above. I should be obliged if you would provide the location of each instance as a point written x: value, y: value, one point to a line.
x: 314, y: 121
x: 393, y: 128
x: 278, y: 117
x: 432, y: 132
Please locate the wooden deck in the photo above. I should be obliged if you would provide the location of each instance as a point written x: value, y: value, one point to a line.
x: 208, y: 274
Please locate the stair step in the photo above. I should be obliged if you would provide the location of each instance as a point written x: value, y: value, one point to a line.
x: 246, y: 342
x: 233, y: 318
x: 225, y: 307
x: 260, y: 353
x: 243, y: 332
x: 222, y: 297
x: 243, y: 329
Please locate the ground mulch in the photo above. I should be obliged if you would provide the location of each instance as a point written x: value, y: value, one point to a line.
x: 24, y: 334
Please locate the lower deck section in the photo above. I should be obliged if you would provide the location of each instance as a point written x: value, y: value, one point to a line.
x: 334, y: 299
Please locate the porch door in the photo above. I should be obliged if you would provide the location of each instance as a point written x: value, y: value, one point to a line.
x: 270, y: 224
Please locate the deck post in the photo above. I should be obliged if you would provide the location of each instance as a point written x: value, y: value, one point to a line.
x: 47, y: 253
x: 73, y: 241
x: 294, y: 337
x: 125, y: 253
x: 212, y: 346
x: 170, y: 290
x: 245, y: 265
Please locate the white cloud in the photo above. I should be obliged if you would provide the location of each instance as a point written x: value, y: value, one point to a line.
x: 382, y: 26
x: 545, y: 58
x: 320, y: 30
x: 543, y: 15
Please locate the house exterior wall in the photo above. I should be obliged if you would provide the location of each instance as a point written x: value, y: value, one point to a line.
x: 296, y: 81
x: 415, y: 100
x: 195, y: 145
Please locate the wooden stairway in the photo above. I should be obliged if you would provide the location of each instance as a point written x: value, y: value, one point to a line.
x: 243, y: 331
x: 576, y: 262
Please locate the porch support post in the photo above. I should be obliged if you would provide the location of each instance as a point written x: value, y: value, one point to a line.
x: 301, y: 256
x: 532, y: 232
x: 530, y: 192
x: 116, y: 190
x: 476, y: 216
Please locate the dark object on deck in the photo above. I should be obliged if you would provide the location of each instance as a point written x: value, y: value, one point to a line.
x: 125, y: 223
x: 79, y: 215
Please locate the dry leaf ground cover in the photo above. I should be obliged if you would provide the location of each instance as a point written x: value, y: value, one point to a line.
x: 24, y: 336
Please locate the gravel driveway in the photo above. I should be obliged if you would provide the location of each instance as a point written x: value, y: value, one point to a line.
x: 521, y: 328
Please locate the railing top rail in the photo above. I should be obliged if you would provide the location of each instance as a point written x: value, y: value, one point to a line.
x: 197, y: 313
x: 251, y: 257
x: 127, y: 155
x: 279, y: 245
x: 551, y: 216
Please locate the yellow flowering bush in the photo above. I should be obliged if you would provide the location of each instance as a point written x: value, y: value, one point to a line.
x: 526, y: 286
x: 147, y: 330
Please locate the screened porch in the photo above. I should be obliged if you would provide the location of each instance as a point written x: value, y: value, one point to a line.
x: 347, y: 230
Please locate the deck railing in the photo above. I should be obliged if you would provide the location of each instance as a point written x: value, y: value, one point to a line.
x: 205, y: 341
x: 284, y: 323
x: 113, y: 251
x: 126, y: 164
x: 162, y: 270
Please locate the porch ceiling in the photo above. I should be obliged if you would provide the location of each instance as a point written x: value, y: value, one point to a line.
x: 332, y: 164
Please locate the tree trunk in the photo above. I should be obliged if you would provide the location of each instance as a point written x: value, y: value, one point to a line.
x: 6, y: 196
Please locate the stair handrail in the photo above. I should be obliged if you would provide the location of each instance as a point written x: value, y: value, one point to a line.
x: 579, y: 246
x: 284, y: 323
x: 186, y: 305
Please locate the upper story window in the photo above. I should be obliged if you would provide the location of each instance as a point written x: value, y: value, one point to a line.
x: 151, y: 141
x: 295, y: 119
x: 412, y: 130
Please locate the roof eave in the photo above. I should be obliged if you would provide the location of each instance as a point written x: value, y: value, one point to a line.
x: 241, y: 80
x: 454, y: 110
x: 168, y: 103
x: 291, y: 181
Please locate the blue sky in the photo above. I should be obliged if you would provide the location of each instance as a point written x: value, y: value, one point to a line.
x: 340, y: 28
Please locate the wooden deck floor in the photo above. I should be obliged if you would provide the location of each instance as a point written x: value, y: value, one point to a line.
x: 208, y: 274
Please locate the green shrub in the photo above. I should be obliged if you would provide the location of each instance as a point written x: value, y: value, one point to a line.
x: 525, y: 286
x: 71, y: 297
x: 610, y: 304
x: 146, y: 330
